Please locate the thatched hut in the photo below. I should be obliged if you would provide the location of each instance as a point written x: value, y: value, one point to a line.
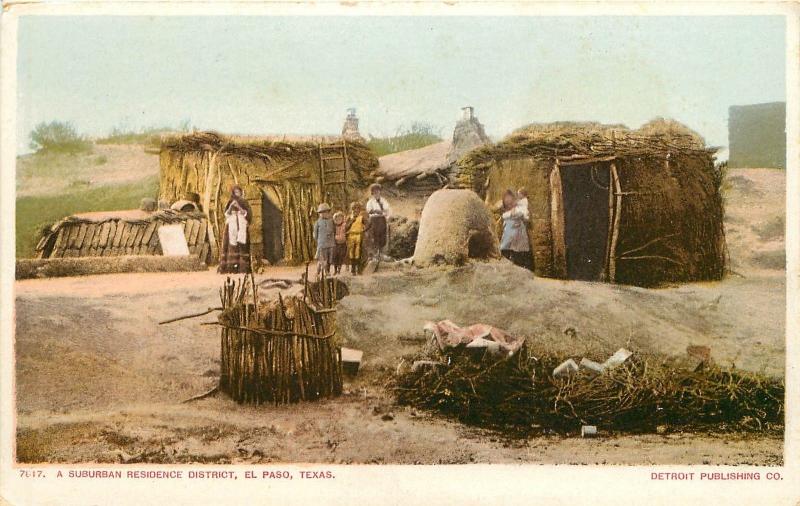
x: 284, y: 179
x: 607, y: 203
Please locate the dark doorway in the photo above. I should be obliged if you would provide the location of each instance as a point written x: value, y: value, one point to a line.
x: 585, y: 191
x: 272, y: 230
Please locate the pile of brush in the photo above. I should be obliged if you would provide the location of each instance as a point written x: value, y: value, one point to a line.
x: 519, y: 394
x: 279, y: 350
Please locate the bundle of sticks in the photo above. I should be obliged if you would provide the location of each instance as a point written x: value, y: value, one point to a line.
x: 277, y: 351
x: 520, y: 395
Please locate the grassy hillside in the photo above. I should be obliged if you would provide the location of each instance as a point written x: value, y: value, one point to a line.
x: 62, y: 173
x: 37, y: 211
x: 417, y: 136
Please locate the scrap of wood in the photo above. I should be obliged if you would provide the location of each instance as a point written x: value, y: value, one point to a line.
x: 202, y: 396
x: 211, y: 309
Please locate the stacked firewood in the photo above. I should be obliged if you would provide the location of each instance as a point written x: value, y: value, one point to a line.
x: 279, y: 351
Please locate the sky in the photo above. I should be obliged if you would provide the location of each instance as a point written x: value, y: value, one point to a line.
x: 274, y: 75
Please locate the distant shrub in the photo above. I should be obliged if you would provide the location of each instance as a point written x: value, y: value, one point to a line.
x: 417, y: 136
x: 149, y: 135
x: 58, y: 137
x: 80, y: 183
x: 101, y: 160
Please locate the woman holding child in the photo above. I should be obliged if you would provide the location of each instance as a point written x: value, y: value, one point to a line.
x: 514, y: 244
x: 235, y: 254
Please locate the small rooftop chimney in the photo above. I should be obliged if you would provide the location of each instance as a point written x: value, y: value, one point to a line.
x: 350, y: 128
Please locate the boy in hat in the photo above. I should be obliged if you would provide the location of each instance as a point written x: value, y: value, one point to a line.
x: 378, y: 210
x: 324, y: 236
x: 340, y: 241
x: 357, y: 224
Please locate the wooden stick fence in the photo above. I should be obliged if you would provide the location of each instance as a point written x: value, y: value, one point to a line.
x: 279, y: 351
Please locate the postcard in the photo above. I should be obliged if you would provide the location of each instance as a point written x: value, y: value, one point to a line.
x: 399, y: 253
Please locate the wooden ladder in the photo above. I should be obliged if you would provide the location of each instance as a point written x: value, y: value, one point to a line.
x: 333, y: 176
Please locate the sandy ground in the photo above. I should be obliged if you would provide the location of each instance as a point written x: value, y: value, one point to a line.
x: 98, y: 380
x: 108, y: 164
x: 741, y: 320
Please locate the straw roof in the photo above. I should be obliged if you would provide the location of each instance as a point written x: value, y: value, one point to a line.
x: 567, y: 141
x: 414, y: 162
x: 262, y: 145
x: 273, y: 149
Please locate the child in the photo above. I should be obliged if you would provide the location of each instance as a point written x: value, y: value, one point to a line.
x: 522, y: 203
x: 324, y: 236
x: 357, y: 224
x: 340, y: 241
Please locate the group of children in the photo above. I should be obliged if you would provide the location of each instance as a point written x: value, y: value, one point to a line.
x: 340, y: 238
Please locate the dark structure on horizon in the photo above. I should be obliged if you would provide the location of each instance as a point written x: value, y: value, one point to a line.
x: 757, y: 135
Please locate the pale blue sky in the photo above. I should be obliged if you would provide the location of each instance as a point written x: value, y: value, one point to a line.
x: 299, y: 74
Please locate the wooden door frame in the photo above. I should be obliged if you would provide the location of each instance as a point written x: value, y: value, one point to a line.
x: 558, y: 224
x: 615, y: 211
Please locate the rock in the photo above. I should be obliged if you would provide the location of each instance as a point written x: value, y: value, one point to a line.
x: 618, y: 358
x: 387, y: 417
x: 566, y: 368
x: 699, y: 352
x: 481, y: 345
x: 592, y: 366
x: 351, y: 360
x: 697, y: 358
x: 148, y: 204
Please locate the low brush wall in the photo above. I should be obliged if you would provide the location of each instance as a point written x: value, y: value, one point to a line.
x: 279, y: 351
x: 28, y: 268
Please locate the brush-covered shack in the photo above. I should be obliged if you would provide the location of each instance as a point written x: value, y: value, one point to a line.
x: 640, y: 207
x: 283, y: 178
x: 121, y: 233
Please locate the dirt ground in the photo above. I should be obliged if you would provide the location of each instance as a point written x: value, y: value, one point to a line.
x: 107, y: 164
x: 98, y: 380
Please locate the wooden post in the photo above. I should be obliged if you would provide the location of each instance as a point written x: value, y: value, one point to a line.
x: 323, y: 196
x: 345, y: 163
x: 557, y: 223
x: 210, y: 173
x: 612, y: 250
x: 606, y: 262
